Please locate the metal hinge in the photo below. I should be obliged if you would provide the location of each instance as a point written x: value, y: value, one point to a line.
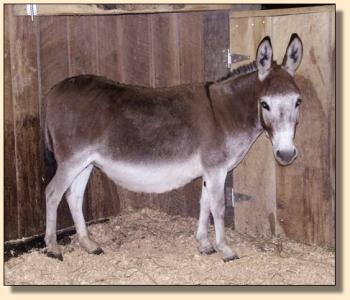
x: 234, y: 58
x: 230, y: 195
x: 231, y: 198
x: 31, y: 10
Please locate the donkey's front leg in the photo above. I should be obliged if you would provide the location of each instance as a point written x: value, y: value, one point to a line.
x: 215, y: 183
x: 205, y: 246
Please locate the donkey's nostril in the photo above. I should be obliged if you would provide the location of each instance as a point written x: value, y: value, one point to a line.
x: 286, y: 155
x: 278, y: 153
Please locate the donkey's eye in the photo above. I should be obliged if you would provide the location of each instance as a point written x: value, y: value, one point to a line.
x: 298, y: 103
x: 265, y: 105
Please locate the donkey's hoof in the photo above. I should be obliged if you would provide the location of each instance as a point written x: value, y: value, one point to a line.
x: 58, y: 256
x: 207, y: 250
x: 98, y: 251
x: 230, y: 258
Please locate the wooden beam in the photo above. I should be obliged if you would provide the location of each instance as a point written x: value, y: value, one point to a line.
x: 282, y: 11
x: 108, y: 9
x: 26, y: 117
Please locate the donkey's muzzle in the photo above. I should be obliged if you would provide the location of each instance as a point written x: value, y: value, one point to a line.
x: 286, y: 157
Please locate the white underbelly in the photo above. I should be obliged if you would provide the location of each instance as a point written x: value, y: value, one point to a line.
x: 158, y: 177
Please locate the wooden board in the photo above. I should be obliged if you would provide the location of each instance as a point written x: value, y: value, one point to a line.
x: 216, y: 42
x: 191, y: 47
x: 255, y: 176
x: 26, y: 119
x: 282, y: 12
x: 301, y: 196
x: 109, y: 49
x: 165, y: 50
x: 307, y: 186
x: 10, y: 180
x: 98, y: 9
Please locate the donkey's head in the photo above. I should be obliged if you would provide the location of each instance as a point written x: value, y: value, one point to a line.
x: 279, y: 97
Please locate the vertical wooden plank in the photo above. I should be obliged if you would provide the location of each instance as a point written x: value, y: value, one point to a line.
x: 191, y: 47
x: 53, y: 51
x: 136, y: 43
x: 305, y: 190
x: 25, y: 93
x: 192, y: 194
x: 255, y: 176
x: 165, y: 54
x: 110, y: 47
x: 82, y: 45
x: 216, y: 42
x: 101, y: 197
x: 10, y: 184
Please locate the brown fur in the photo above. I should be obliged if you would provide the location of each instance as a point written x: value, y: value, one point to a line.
x: 133, y: 123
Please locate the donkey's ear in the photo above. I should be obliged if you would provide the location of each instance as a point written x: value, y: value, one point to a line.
x: 294, y: 54
x: 264, y: 58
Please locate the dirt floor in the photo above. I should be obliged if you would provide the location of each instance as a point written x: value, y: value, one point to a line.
x: 150, y: 247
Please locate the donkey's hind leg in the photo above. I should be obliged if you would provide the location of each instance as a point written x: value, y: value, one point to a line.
x: 75, y: 197
x: 65, y: 174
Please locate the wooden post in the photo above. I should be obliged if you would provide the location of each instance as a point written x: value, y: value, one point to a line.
x: 10, y: 180
x: 26, y: 117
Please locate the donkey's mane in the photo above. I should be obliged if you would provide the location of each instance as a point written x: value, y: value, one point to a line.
x: 240, y: 71
x: 243, y: 70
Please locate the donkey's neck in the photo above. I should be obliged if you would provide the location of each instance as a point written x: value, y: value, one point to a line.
x: 236, y: 111
x: 235, y: 100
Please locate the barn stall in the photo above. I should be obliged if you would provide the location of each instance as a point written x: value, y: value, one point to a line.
x: 157, y: 46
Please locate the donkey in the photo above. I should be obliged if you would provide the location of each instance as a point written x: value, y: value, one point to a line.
x: 154, y: 140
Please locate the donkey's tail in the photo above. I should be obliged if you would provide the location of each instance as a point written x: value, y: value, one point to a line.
x: 49, y: 157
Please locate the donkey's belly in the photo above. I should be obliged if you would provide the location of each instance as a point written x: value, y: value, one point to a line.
x: 156, y: 177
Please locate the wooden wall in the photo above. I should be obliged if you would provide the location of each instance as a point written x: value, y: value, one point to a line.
x: 152, y: 50
x: 298, y: 200
x: 162, y: 50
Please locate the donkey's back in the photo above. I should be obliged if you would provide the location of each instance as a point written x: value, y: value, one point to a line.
x: 125, y: 122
